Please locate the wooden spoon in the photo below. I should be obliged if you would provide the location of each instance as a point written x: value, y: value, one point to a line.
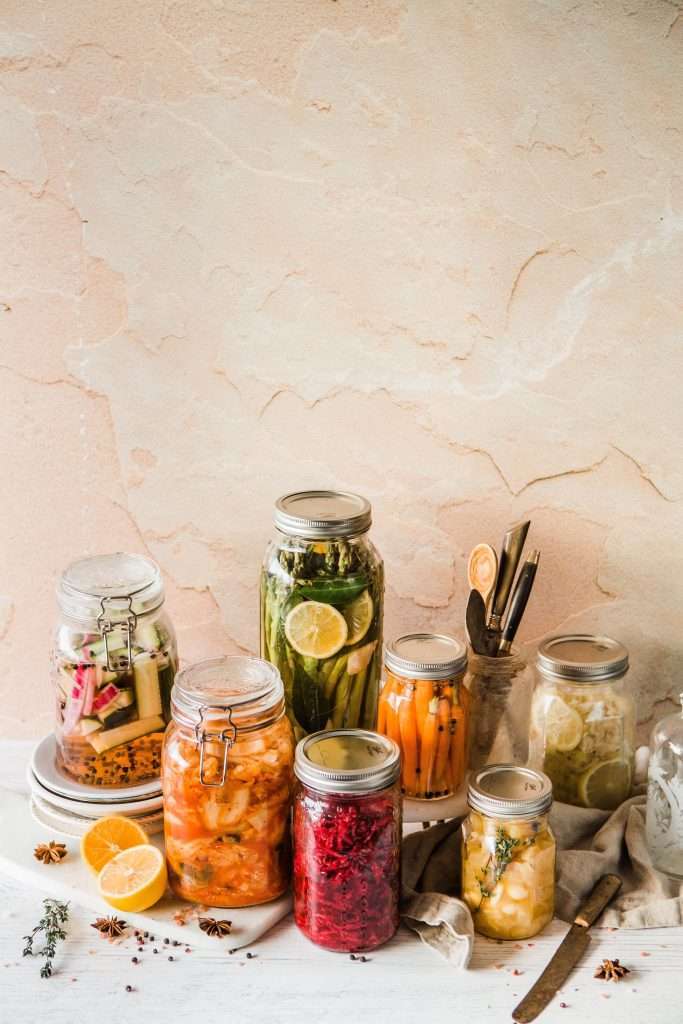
x: 482, y: 570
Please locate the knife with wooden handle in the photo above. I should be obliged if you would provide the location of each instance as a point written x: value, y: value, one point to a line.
x: 569, y: 952
x: 513, y: 542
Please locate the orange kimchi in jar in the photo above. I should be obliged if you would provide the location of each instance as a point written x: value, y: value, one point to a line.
x: 227, y: 777
x: 423, y: 706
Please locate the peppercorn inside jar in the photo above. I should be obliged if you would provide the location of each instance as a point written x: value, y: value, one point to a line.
x: 508, y: 852
x: 583, y: 720
x: 114, y: 660
x: 322, y: 592
x: 227, y: 779
x: 347, y: 833
x: 423, y: 707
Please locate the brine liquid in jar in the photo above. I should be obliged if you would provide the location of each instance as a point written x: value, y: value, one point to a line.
x: 423, y: 707
x: 114, y: 660
x: 347, y: 835
x: 508, y: 852
x: 227, y: 780
x: 583, y: 720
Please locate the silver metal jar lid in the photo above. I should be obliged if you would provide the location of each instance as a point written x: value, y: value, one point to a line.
x: 245, y: 691
x: 318, y: 515
x: 347, y: 761
x: 112, y: 586
x: 509, y: 792
x: 426, y: 656
x: 582, y: 657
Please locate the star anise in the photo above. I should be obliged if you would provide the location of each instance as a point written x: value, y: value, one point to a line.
x: 112, y: 927
x: 213, y: 927
x: 50, y: 853
x: 611, y: 970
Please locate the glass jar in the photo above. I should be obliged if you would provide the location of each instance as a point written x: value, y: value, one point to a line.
x: 583, y: 720
x: 500, y: 698
x: 664, y: 816
x: 227, y: 780
x: 508, y: 852
x: 322, y: 591
x: 113, y: 663
x: 347, y: 836
x: 423, y: 707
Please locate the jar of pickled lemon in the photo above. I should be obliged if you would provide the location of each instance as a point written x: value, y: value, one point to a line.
x: 508, y: 852
x: 583, y: 720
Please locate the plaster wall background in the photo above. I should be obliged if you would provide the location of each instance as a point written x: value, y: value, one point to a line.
x: 422, y: 249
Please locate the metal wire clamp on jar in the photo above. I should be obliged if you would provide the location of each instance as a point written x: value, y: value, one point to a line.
x: 423, y: 707
x: 114, y: 660
x: 583, y: 720
x: 227, y: 782
x: 508, y: 852
x: 347, y: 836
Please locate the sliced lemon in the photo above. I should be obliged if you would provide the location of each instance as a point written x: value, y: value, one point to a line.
x: 316, y: 630
x: 134, y: 879
x: 358, y: 616
x: 606, y: 785
x: 107, y: 837
x: 563, y: 725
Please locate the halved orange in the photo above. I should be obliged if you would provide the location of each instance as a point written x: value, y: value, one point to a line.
x: 109, y: 836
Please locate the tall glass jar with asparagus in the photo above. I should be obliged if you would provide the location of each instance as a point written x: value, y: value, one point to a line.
x: 322, y: 589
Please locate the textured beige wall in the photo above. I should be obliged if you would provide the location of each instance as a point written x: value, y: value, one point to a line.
x: 429, y: 250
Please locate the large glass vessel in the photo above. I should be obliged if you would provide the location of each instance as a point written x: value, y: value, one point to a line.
x: 665, y: 795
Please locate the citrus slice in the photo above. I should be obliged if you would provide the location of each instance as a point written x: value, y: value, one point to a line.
x: 563, y: 725
x: 316, y: 630
x: 134, y: 879
x: 606, y: 785
x: 358, y: 616
x: 107, y: 837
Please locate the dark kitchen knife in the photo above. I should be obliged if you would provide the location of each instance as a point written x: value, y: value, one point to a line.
x: 518, y: 601
x: 513, y: 543
x: 569, y: 952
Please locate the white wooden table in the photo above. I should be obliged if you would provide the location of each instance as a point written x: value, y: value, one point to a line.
x: 288, y: 979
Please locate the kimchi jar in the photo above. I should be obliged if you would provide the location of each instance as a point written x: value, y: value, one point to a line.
x: 423, y: 706
x: 113, y: 663
x: 227, y: 782
x: 347, y: 834
x: 508, y: 852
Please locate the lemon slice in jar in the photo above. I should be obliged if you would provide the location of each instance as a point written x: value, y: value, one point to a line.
x: 606, y: 785
x: 563, y: 725
x: 134, y: 879
x: 316, y: 630
x: 358, y: 616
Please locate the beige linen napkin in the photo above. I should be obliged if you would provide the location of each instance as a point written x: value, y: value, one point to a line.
x: 590, y: 843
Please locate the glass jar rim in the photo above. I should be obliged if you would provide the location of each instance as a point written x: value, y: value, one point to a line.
x: 244, y: 690
x: 323, y: 514
x: 510, y: 792
x: 425, y: 656
x: 582, y: 657
x: 347, y: 761
x: 111, y: 586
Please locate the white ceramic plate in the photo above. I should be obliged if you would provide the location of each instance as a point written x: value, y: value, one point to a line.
x: 48, y: 773
x: 75, y: 825
x: 87, y: 808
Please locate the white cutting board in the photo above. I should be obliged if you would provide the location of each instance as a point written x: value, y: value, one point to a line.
x: 71, y: 879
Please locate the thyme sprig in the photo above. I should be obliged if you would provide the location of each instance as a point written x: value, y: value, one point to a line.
x: 503, y: 853
x: 54, y: 917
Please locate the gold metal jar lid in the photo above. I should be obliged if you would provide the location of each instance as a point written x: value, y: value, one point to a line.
x: 353, y: 761
x: 426, y: 656
x: 510, y: 792
x: 321, y: 515
x: 582, y: 657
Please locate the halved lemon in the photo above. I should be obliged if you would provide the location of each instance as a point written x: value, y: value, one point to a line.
x: 563, y: 725
x: 107, y: 837
x: 134, y: 879
x: 606, y: 785
x: 316, y: 630
x: 358, y: 616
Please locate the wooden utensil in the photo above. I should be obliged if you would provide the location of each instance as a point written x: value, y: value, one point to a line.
x: 482, y: 570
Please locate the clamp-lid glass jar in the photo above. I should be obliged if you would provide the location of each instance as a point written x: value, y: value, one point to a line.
x: 664, y: 817
x: 423, y: 707
x: 347, y: 835
x: 583, y: 720
x: 322, y: 590
x: 113, y: 663
x: 508, y: 852
x: 227, y: 782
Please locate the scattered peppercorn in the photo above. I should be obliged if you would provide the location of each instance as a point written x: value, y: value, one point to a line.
x: 353, y: 956
x: 250, y: 956
x: 166, y: 942
x: 363, y: 959
x: 564, y: 1006
x: 170, y: 958
x: 146, y: 934
x: 155, y: 950
x: 175, y: 942
x: 134, y: 959
x: 129, y: 988
x: 231, y: 951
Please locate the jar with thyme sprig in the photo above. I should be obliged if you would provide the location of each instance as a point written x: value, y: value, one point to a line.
x: 508, y: 856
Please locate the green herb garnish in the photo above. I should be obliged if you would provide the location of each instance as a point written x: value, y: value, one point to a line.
x: 55, y: 915
x: 503, y: 854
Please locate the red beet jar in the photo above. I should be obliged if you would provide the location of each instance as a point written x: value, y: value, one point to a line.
x: 347, y: 835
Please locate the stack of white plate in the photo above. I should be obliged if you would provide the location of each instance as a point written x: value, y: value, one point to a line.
x: 70, y: 807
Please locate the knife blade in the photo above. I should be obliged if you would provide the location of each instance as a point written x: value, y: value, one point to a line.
x: 513, y: 543
x: 518, y: 601
x: 568, y: 953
